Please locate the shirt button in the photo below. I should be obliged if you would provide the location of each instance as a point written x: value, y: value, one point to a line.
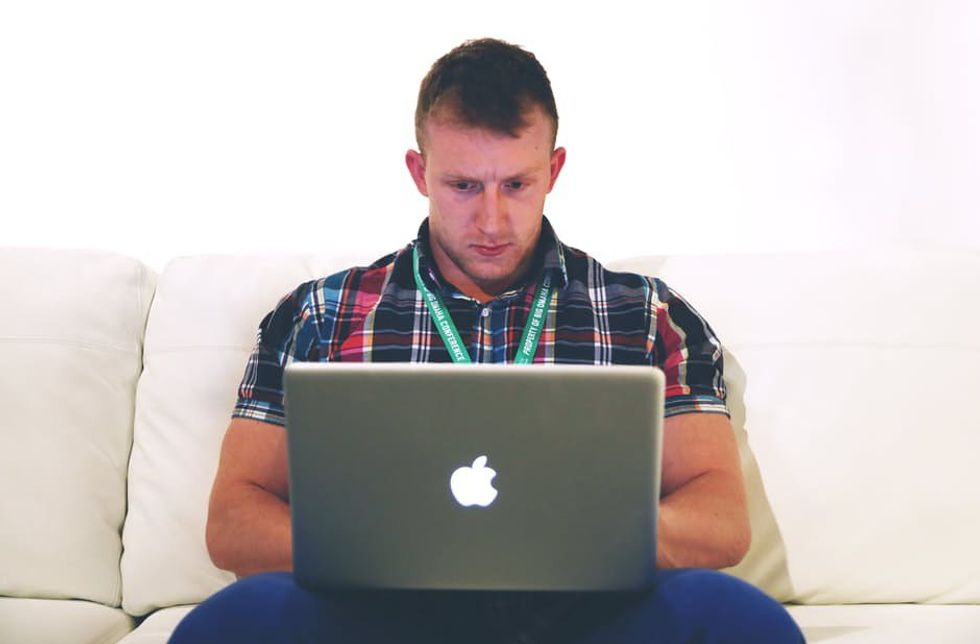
x: 485, y: 312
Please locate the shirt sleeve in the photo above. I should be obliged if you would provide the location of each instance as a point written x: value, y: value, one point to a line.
x: 285, y: 334
x: 684, y: 346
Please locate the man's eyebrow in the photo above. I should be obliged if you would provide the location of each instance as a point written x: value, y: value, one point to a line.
x: 453, y: 176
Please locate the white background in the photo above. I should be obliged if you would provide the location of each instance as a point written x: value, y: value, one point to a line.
x: 166, y: 128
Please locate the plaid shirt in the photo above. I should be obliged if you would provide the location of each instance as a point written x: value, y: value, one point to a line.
x: 596, y: 316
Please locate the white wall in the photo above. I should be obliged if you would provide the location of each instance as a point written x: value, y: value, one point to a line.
x: 167, y: 128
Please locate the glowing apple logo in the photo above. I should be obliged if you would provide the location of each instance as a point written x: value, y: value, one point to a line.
x: 471, y: 485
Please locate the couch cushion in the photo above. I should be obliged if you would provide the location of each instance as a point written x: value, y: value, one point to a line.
x: 888, y: 624
x: 851, y: 374
x: 70, y: 341
x: 200, y: 332
x: 158, y: 626
x: 60, y: 621
x: 856, y: 624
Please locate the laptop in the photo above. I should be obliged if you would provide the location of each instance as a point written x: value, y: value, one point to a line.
x: 474, y: 477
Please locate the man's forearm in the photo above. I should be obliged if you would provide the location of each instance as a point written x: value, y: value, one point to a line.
x: 252, y: 534
x: 703, y: 524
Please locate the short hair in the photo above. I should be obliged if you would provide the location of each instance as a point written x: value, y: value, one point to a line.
x: 486, y: 83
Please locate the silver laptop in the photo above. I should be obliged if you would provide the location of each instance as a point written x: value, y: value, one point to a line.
x: 477, y: 477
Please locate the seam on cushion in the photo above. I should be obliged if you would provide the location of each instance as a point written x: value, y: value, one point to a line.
x: 200, y: 347
x: 76, y: 343
x: 140, y: 333
x: 143, y: 315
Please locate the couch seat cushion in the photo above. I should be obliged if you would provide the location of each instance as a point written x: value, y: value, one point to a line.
x: 158, y: 627
x: 61, y: 621
x: 888, y: 623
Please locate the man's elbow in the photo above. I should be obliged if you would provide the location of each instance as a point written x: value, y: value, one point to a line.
x: 737, y: 545
x: 214, y: 537
x: 220, y: 535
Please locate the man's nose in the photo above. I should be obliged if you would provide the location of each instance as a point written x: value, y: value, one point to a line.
x: 492, y: 211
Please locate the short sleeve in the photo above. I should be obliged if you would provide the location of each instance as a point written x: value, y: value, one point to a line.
x: 285, y: 334
x: 684, y: 346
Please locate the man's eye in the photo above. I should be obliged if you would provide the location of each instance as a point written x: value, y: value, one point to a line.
x: 462, y: 186
x: 516, y: 185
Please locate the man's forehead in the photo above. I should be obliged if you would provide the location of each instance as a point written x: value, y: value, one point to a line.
x: 464, y: 162
x: 457, y: 149
x: 448, y: 122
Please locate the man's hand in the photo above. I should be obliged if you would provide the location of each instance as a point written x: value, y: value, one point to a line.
x: 248, y: 528
x: 703, y: 520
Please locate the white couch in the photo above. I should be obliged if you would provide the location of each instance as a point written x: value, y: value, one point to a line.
x: 852, y: 379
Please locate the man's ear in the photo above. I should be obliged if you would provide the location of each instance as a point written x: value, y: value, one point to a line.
x: 557, y: 162
x: 416, y: 168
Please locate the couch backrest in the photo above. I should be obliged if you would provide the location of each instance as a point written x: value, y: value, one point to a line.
x: 853, y: 376
x: 71, y: 330
x: 849, y: 376
x: 201, y: 330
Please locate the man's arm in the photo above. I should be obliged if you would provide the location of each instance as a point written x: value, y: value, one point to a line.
x: 703, y: 520
x: 248, y: 528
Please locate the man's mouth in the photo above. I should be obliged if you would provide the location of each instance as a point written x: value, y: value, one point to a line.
x: 490, y: 250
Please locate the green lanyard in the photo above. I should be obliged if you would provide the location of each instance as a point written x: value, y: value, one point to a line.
x: 450, y: 336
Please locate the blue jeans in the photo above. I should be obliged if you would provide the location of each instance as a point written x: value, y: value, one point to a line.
x: 686, y: 606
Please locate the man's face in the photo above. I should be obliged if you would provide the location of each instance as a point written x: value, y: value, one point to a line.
x: 486, y: 195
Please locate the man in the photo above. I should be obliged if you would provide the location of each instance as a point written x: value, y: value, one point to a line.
x: 486, y: 127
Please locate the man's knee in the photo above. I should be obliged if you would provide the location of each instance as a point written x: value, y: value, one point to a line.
x: 247, y: 610
x: 718, y: 607
x: 272, y: 607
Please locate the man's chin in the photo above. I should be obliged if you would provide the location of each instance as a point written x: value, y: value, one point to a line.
x: 495, y: 281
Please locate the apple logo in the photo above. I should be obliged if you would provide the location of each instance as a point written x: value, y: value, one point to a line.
x: 471, y: 485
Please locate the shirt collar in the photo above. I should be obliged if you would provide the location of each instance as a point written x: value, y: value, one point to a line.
x: 549, y: 256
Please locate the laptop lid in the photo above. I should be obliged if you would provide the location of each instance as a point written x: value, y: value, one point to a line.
x: 481, y: 477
